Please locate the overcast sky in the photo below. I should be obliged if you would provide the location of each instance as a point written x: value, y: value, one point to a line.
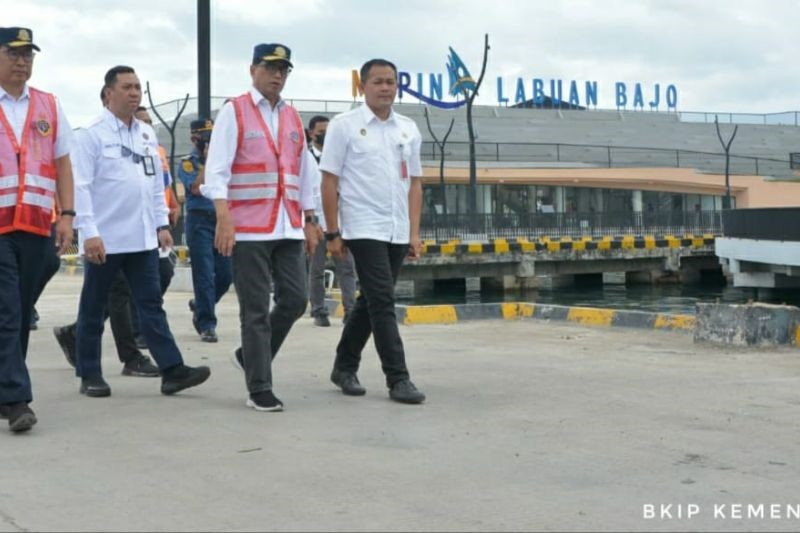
x: 723, y: 55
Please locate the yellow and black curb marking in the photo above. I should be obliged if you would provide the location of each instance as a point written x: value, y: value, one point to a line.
x: 589, y: 316
x: 545, y: 244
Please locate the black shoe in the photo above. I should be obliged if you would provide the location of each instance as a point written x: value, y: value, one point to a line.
x: 34, y: 325
x: 66, y: 339
x: 141, y: 366
x: 20, y: 416
x: 180, y: 377
x: 322, y: 321
x: 348, y: 382
x: 264, y: 401
x: 209, y: 335
x: 191, y: 305
x: 238, y: 359
x: 140, y: 342
x: 405, y: 392
x: 95, y: 387
x: 196, y: 325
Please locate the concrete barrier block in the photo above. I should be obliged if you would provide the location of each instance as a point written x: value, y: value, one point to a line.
x: 747, y: 324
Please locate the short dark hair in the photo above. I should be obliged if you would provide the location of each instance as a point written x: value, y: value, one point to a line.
x: 103, y: 94
x: 113, y: 72
x: 316, y: 119
x: 365, y: 68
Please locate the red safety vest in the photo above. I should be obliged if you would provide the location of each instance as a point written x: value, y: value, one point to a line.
x: 27, y: 170
x: 264, y: 173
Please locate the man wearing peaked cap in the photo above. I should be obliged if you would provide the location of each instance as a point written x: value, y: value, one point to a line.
x: 261, y: 179
x: 35, y: 140
x: 211, y: 271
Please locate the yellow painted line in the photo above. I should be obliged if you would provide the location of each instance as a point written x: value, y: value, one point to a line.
x: 516, y: 310
x: 553, y: 246
x: 697, y: 242
x: 579, y: 246
x: 649, y: 242
x: 627, y: 243
x: 501, y: 247
x: 475, y: 248
x: 591, y: 317
x: 604, y: 244
x: 431, y: 314
x: 673, y: 242
x: 674, y: 322
x: 797, y: 336
x: 448, y: 249
x: 528, y: 247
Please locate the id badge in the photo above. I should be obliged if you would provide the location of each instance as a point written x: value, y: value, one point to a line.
x: 403, y: 170
x: 149, y: 165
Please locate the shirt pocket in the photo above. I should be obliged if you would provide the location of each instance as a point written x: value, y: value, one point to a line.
x: 366, y: 151
x: 113, y: 165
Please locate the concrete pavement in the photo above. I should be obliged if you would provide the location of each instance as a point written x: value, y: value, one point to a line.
x: 529, y: 425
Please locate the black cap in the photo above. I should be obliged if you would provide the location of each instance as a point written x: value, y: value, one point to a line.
x: 272, y: 52
x: 16, y: 37
x: 200, y: 125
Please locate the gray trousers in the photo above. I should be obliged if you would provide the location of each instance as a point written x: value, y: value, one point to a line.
x: 256, y: 266
x: 345, y: 271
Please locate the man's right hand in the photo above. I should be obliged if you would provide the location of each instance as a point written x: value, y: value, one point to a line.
x: 337, y: 248
x: 94, y: 251
x: 225, y: 236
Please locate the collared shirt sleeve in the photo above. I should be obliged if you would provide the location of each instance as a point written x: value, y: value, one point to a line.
x: 415, y: 163
x: 221, y: 153
x: 309, y: 181
x: 335, y: 148
x: 83, y: 169
x: 65, y: 139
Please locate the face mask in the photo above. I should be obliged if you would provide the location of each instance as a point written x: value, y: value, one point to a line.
x: 320, y: 139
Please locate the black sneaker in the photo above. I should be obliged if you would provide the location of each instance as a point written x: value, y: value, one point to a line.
x: 348, y: 382
x: 34, y: 325
x: 209, y: 335
x: 238, y: 359
x: 322, y: 321
x: 95, y: 387
x: 180, y: 377
x: 405, y: 392
x: 264, y: 401
x: 65, y: 337
x: 191, y: 305
x: 142, y: 367
x: 20, y: 416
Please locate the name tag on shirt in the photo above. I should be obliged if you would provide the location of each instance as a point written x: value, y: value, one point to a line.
x: 149, y: 165
x: 403, y: 170
x: 253, y: 134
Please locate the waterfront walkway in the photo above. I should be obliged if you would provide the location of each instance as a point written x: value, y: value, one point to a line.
x: 529, y: 425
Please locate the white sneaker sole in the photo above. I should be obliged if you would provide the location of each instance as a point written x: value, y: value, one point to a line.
x: 251, y: 403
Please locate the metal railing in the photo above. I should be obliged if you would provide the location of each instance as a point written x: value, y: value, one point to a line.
x: 606, y: 156
x: 575, y: 225
x: 769, y: 223
x: 786, y: 118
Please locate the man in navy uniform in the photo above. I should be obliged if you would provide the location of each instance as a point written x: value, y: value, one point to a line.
x: 211, y: 271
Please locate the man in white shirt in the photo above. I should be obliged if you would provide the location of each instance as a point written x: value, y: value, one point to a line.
x: 121, y: 220
x: 345, y: 268
x: 261, y: 178
x: 35, y: 140
x: 371, y: 183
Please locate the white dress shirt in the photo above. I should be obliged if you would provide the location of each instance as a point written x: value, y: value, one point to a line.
x: 318, y: 189
x: 222, y: 152
x: 114, y: 198
x: 368, y: 156
x: 17, y: 110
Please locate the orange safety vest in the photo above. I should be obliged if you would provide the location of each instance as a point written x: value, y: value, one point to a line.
x: 265, y: 173
x: 27, y: 170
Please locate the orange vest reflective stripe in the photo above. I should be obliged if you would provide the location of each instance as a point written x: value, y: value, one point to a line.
x: 27, y: 170
x: 265, y: 172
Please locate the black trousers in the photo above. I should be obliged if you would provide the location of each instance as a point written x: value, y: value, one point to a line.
x: 378, y: 265
x: 52, y: 263
x: 21, y: 268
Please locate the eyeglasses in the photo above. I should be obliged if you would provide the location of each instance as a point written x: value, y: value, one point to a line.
x: 16, y: 55
x: 127, y: 152
x: 274, y: 67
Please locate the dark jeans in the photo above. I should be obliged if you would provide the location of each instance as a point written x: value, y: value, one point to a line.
x: 256, y: 265
x: 52, y: 263
x: 166, y: 270
x: 141, y: 271
x: 21, y: 268
x: 211, y: 272
x: 378, y: 265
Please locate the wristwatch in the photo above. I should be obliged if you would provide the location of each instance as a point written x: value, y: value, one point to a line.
x: 67, y: 212
x: 333, y: 235
x: 162, y: 227
x: 312, y: 219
